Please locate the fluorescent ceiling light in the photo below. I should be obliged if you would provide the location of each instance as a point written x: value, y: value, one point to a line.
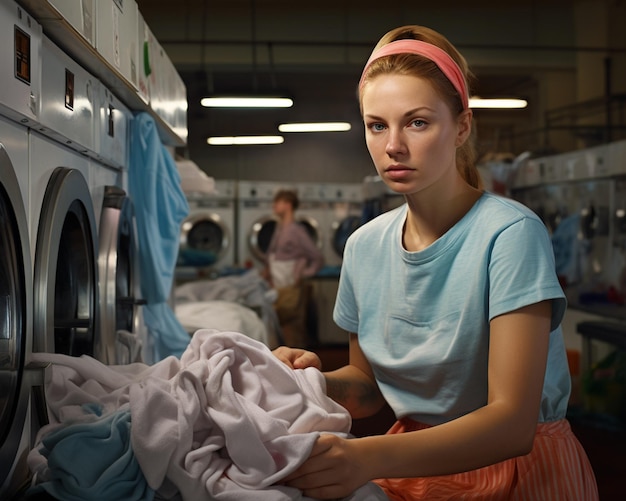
x: 315, y: 127
x: 476, y: 102
x: 240, y: 140
x: 247, y: 102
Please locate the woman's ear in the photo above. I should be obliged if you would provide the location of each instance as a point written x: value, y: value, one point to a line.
x: 464, y: 127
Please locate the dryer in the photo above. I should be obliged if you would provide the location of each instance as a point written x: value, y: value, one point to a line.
x: 207, y: 239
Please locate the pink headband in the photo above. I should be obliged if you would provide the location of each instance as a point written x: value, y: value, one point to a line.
x: 438, y: 56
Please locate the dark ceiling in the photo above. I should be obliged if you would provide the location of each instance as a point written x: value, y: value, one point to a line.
x: 315, y: 50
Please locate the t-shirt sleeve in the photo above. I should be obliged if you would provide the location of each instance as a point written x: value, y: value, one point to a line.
x: 345, y: 313
x: 522, y: 271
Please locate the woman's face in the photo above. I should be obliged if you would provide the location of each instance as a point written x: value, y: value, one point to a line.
x: 281, y: 207
x: 410, y: 132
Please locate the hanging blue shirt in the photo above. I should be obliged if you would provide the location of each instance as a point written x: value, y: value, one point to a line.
x: 160, y: 207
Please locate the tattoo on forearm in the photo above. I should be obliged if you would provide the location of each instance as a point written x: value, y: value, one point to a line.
x: 352, y: 393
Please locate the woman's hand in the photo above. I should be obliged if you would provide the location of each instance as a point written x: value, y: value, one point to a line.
x: 336, y: 468
x: 297, y: 358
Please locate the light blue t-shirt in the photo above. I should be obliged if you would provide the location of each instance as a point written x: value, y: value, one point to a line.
x: 423, y: 317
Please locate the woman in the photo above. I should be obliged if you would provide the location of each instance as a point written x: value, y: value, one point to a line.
x: 454, y: 311
x: 292, y: 257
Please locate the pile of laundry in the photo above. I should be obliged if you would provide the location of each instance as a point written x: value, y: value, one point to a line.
x: 240, y: 303
x: 226, y: 421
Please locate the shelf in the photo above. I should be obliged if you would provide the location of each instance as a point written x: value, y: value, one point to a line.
x: 73, y: 43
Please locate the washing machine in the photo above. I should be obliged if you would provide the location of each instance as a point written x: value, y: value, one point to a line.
x: 17, y: 380
x: 20, y: 88
x: 67, y: 110
x: 345, y: 202
x: 122, y: 331
x: 64, y: 245
x: 256, y: 221
x: 207, y: 239
x: 62, y: 240
x: 314, y: 211
x: 20, y: 64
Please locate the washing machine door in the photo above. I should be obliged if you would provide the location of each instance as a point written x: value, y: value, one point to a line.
x: 119, y: 341
x: 15, y: 313
x: 342, y: 230
x: 263, y: 228
x: 65, y: 281
x: 204, y: 239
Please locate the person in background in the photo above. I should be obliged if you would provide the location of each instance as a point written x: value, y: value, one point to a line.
x: 454, y: 310
x: 292, y: 256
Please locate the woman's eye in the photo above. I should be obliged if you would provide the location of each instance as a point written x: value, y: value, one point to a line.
x: 418, y: 123
x: 376, y: 127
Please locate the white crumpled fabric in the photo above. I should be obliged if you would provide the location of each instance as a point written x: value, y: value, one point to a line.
x: 227, y: 421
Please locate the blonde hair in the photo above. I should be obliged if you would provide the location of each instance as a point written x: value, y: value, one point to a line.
x: 411, y: 64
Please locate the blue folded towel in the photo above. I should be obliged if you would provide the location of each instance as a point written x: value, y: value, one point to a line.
x: 93, y: 460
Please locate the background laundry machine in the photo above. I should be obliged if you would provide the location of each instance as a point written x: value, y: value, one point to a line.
x: 313, y: 211
x: 207, y: 240
x: 344, y: 215
x: 343, y: 202
x: 256, y: 221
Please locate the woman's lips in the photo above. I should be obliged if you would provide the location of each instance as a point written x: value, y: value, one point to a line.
x: 398, y: 172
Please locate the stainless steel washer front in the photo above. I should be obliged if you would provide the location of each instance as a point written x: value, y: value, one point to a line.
x: 65, y: 277
x: 15, y: 317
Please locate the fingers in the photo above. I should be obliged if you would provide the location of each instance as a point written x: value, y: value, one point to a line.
x: 307, y: 359
x: 327, y: 473
x: 296, y: 358
x: 316, y: 461
x: 285, y: 355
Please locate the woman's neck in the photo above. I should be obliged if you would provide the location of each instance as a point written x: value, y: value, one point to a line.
x: 427, y: 221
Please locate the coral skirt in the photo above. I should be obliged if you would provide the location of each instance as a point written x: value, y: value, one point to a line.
x: 557, y: 469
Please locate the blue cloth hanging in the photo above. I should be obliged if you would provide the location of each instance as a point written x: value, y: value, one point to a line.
x: 160, y: 207
x: 568, y: 249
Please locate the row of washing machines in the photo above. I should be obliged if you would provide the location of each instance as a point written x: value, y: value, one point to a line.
x: 68, y: 271
x: 232, y: 228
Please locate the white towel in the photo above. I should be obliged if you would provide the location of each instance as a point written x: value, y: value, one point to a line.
x: 227, y: 421
x: 224, y: 316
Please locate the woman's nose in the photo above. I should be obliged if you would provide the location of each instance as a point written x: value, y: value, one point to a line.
x: 395, y: 143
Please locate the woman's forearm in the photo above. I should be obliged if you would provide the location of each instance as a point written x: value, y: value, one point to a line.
x: 354, y: 390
